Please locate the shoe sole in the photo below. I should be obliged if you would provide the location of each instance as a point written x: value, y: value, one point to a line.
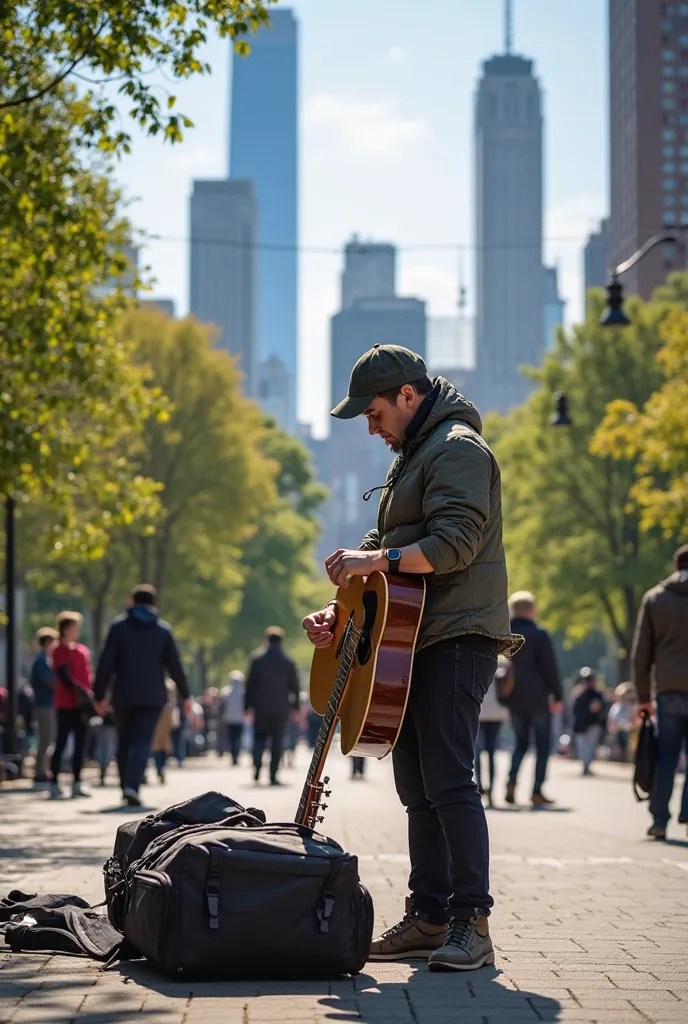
x: 441, y: 965
x: 407, y: 954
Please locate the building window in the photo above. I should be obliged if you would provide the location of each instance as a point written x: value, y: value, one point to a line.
x: 669, y: 70
x: 684, y: 200
x: 668, y: 8
x: 669, y: 167
x: 668, y: 55
x: 669, y: 86
x: 683, y: 9
x: 684, y: 219
x: 668, y: 151
x: 668, y: 219
x: 668, y: 104
x: 668, y: 134
x: 669, y: 184
x: 683, y: 40
x: 666, y: 25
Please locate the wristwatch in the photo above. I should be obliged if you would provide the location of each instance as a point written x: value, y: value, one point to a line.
x: 393, y: 556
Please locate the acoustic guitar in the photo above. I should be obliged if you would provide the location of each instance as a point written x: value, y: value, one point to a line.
x: 363, y: 678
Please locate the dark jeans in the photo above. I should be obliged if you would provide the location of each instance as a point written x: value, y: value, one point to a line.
x: 357, y: 766
x: 135, y: 728
x: 525, y: 723
x: 487, y: 741
x: 433, y: 772
x: 69, y: 721
x: 672, y: 732
x: 272, y: 730
x: 234, y: 733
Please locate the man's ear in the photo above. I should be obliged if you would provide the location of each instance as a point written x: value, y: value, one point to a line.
x: 408, y: 393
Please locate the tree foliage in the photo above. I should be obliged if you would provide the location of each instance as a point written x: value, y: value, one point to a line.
x: 45, y: 42
x: 655, y: 436
x: 572, y: 526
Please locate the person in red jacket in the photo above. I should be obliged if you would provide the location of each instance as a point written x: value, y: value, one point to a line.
x: 73, y: 694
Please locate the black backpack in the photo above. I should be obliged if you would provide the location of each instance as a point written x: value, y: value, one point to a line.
x: 646, y: 753
x: 248, y: 900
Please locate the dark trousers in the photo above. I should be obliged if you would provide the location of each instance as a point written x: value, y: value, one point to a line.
x: 135, y: 728
x: 540, y: 724
x: 69, y: 720
x: 487, y: 741
x: 433, y: 772
x: 672, y: 734
x: 235, y: 731
x: 357, y: 766
x: 268, y: 730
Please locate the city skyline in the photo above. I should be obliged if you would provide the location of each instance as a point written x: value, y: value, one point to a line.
x: 389, y: 154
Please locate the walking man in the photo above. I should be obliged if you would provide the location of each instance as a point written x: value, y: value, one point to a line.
x: 272, y: 694
x: 43, y: 684
x: 232, y: 714
x: 537, y: 693
x: 72, y: 701
x: 589, y: 718
x: 140, y: 648
x: 660, y: 653
x: 440, y: 516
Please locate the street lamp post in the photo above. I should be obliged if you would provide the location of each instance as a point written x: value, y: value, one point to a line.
x: 9, y: 742
x: 615, y: 315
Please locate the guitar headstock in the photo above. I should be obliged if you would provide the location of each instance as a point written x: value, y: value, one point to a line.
x: 315, y: 804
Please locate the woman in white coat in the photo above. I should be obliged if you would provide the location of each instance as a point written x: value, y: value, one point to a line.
x: 492, y: 715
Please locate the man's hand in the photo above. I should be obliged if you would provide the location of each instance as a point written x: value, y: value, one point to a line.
x: 318, y: 626
x: 556, y: 706
x: 649, y: 708
x: 101, y: 707
x: 188, y: 707
x: 344, y: 563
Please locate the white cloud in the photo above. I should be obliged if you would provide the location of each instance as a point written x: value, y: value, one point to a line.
x: 396, y: 54
x: 362, y: 127
x: 567, y: 228
x: 437, y: 287
x: 197, y: 160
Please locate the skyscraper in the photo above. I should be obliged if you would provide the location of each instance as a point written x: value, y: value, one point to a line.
x: 648, y: 112
x: 596, y: 259
x: 508, y: 197
x: 264, y: 149
x: 369, y: 271
x: 224, y: 235
x: 553, y: 307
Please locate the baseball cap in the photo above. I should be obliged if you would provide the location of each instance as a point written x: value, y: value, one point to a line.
x: 381, y: 368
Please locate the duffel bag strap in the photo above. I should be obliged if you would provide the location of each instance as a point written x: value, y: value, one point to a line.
x: 326, y: 906
x: 212, y: 887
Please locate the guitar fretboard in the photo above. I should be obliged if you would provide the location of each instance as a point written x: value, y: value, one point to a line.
x: 327, y: 726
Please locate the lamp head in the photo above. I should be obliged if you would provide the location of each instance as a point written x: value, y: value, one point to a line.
x: 561, y: 416
x: 614, y: 315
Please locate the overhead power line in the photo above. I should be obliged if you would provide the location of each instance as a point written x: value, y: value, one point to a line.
x: 327, y: 250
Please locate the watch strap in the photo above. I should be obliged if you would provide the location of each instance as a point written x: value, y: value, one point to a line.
x: 394, y: 563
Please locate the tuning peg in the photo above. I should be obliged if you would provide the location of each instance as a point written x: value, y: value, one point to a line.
x: 324, y: 807
x: 326, y: 779
x: 328, y: 792
x: 320, y: 818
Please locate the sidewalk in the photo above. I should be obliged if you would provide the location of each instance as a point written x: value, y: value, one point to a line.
x: 590, y: 922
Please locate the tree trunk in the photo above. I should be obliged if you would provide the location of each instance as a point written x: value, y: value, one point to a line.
x: 202, y: 663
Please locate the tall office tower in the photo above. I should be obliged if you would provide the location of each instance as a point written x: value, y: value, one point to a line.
x: 553, y: 308
x: 508, y: 197
x: 648, y: 112
x: 223, y: 270
x: 264, y: 149
x: 596, y: 259
x: 369, y: 271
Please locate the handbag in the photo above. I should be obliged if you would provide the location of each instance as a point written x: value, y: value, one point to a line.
x: 646, y: 754
x: 505, y: 678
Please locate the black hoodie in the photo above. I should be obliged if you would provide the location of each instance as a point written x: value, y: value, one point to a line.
x: 139, y: 651
x: 661, y: 639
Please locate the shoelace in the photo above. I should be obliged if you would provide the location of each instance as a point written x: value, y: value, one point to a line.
x: 460, y: 932
x: 406, y: 920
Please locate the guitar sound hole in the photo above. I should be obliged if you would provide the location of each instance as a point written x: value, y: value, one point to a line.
x: 365, y: 643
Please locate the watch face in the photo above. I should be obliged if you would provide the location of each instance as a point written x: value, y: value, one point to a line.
x: 394, y: 554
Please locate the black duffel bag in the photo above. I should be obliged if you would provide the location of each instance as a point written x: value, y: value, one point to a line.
x: 253, y: 901
x: 134, y: 837
x: 646, y: 753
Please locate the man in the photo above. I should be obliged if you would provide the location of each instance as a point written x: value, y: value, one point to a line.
x: 42, y: 679
x: 232, y: 698
x: 272, y: 694
x: 72, y: 700
x: 589, y: 717
x: 440, y: 516
x: 660, y: 650
x: 140, y: 648
x: 537, y: 693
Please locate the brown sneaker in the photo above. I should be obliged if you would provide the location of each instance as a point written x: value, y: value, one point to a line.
x: 540, y: 800
x: 468, y: 946
x: 410, y: 938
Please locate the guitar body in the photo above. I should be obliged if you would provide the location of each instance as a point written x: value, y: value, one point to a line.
x: 386, y: 610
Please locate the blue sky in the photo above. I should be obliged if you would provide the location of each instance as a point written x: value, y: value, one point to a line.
x: 386, y: 147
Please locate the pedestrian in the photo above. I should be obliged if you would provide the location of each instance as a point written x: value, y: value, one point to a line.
x: 161, y: 745
x: 105, y: 742
x: 439, y: 516
x: 536, y: 695
x: 140, y: 648
x: 232, y: 713
x: 620, y: 720
x: 660, y: 656
x: 589, y: 718
x: 493, y: 714
x: 43, y: 683
x: 272, y: 695
x: 358, y: 767
x: 73, y: 700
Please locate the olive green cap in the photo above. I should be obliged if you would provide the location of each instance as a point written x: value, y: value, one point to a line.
x: 382, y: 368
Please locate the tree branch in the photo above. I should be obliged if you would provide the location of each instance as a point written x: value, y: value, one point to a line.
x: 19, y: 101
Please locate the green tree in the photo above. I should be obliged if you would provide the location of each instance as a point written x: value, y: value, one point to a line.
x: 572, y: 526
x: 46, y: 42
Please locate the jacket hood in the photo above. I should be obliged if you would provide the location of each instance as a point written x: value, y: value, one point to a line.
x: 143, y: 615
x: 677, y: 583
x: 450, y: 405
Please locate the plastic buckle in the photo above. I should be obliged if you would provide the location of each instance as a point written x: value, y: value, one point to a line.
x: 324, y: 912
x: 214, y: 909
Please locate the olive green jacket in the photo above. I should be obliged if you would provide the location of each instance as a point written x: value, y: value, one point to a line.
x: 443, y: 492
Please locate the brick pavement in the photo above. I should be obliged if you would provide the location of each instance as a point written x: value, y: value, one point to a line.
x: 590, y: 923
